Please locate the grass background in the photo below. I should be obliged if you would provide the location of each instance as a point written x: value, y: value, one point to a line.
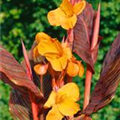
x: 22, y: 19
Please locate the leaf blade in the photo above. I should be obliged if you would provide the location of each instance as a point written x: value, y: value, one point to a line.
x: 20, y: 106
x: 109, y: 79
x: 13, y: 74
x: 83, y: 35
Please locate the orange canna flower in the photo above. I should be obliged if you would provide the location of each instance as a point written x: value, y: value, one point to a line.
x: 53, y: 51
x: 59, y: 55
x: 66, y: 15
x: 63, y: 102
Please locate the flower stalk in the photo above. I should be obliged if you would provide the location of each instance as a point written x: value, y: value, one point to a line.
x: 34, y: 108
x: 87, y: 86
x: 41, y: 89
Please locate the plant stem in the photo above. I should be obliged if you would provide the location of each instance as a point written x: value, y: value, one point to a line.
x: 41, y: 83
x: 41, y: 88
x: 34, y: 108
x: 87, y: 86
x: 96, y: 29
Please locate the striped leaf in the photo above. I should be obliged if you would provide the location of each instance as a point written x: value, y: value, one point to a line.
x: 20, y: 106
x: 109, y: 79
x: 86, y: 32
x: 14, y: 74
x: 83, y: 34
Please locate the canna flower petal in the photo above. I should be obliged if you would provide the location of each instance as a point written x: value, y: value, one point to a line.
x: 68, y: 22
x: 41, y: 69
x: 63, y: 61
x: 50, y: 56
x: 42, y: 36
x: 36, y: 56
x: 58, y: 45
x: 35, y: 52
x: 72, y: 69
x: 51, y: 100
x: 58, y: 64
x: 67, y: 51
x: 67, y: 8
x: 49, y: 46
x: 54, y: 16
x: 68, y: 107
x: 70, y: 90
x: 54, y: 114
x: 81, y: 69
x: 78, y: 7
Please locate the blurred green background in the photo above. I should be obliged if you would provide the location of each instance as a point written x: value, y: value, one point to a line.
x: 22, y: 19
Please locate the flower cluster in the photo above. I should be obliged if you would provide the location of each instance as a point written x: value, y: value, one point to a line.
x: 58, y: 57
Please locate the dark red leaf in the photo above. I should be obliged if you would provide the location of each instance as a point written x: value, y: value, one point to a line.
x: 94, y: 52
x: 109, y: 79
x: 13, y: 74
x: 85, y: 43
x: 20, y: 101
x: 83, y: 34
x: 20, y: 106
